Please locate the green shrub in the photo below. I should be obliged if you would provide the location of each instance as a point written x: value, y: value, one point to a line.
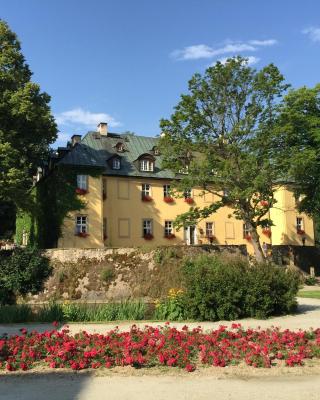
x: 107, y: 275
x: 310, y: 280
x: 218, y: 288
x: 21, y: 272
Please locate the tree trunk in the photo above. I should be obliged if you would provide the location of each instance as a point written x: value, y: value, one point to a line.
x: 258, y: 252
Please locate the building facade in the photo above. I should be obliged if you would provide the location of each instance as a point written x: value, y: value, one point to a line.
x: 130, y: 203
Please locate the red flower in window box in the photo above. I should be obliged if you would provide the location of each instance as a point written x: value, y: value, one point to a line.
x: 211, y: 238
x: 148, y: 236
x: 81, y: 191
x: 168, y: 199
x: 264, y: 203
x: 300, y: 232
x: 82, y: 234
x: 189, y: 200
x: 248, y: 238
x: 170, y: 236
x: 266, y: 231
x: 146, y: 198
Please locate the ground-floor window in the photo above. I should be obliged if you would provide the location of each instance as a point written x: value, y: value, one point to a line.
x: 246, y: 230
x: 147, y: 227
x: 209, y: 229
x: 168, y: 228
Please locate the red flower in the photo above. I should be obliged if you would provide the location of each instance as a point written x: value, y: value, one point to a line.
x: 300, y: 232
x: 82, y: 234
x: 248, y: 238
x: 189, y: 200
x: 146, y: 198
x: 264, y: 203
x: 170, y: 236
x: 168, y: 199
x: 81, y: 192
x: 266, y: 231
x: 148, y: 236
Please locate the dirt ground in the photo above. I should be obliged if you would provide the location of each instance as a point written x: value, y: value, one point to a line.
x: 240, y: 382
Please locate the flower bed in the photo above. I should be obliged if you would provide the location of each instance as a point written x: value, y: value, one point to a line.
x: 160, y: 346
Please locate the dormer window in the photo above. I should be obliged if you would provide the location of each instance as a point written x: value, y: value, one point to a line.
x: 146, y: 165
x: 120, y: 147
x: 116, y: 163
x: 156, y: 151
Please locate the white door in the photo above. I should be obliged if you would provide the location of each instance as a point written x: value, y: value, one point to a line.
x: 190, y: 235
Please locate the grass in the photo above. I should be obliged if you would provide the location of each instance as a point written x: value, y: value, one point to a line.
x: 309, y: 294
x: 73, y: 312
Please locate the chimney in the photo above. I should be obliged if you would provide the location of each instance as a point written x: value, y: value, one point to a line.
x: 75, y: 139
x: 103, y: 128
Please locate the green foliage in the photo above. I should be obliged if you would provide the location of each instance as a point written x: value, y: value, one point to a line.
x: 107, y: 275
x: 21, y: 272
x: 26, y: 124
x: 170, y: 308
x: 310, y: 280
x: 221, y: 135
x: 163, y: 254
x: 228, y: 289
x: 297, y: 145
x: 74, y: 312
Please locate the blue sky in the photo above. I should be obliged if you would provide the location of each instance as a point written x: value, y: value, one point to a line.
x: 127, y: 62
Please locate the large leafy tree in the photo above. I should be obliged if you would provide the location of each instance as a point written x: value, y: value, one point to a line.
x: 26, y: 124
x: 298, y: 146
x: 220, y: 135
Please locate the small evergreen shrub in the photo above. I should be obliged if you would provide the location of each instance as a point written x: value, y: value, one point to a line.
x: 310, y: 280
x: 107, y: 275
x: 21, y: 272
x: 227, y: 289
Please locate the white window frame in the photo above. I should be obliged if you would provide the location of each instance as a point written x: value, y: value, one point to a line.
x: 146, y: 165
x: 82, y: 182
x: 166, y: 191
x: 168, y: 228
x: 210, y: 230
x: 147, y: 227
x: 299, y: 224
x: 145, y: 189
x: 81, y: 224
x: 116, y: 163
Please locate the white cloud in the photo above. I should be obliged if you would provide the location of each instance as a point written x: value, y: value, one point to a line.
x: 313, y: 33
x: 268, y: 42
x: 79, y: 116
x: 199, y: 51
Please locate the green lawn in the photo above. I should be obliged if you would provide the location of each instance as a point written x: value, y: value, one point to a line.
x: 311, y: 294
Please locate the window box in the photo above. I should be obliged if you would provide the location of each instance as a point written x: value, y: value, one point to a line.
x: 248, y: 238
x: 300, y: 232
x: 267, y: 232
x: 211, y: 238
x: 82, y: 234
x: 189, y: 200
x: 170, y: 236
x: 81, y: 191
x: 264, y: 203
x: 168, y: 199
x: 146, y: 198
x: 148, y: 236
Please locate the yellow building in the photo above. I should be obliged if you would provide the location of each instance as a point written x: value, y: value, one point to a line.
x: 130, y: 205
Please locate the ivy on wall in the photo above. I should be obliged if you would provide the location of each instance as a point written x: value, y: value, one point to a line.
x: 54, y: 198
